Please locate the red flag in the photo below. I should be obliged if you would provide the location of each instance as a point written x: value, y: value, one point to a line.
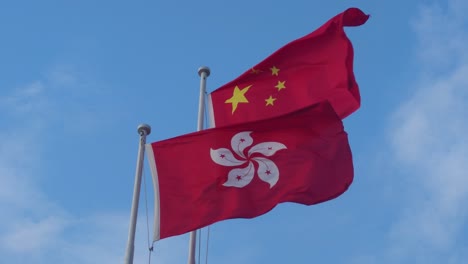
x: 245, y: 170
x: 316, y: 67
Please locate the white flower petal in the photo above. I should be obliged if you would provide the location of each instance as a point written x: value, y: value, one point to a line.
x: 224, y: 157
x: 266, y: 148
x: 240, y: 141
x: 267, y: 171
x: 240, y: 177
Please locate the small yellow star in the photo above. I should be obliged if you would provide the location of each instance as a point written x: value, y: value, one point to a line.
x: 238, y: 96
x: 270, y: 101
x: 274, y: 71
x: 280, y: 85
x: 255, y: 71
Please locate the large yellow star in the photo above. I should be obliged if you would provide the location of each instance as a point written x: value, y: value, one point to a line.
x: 274, y: 70
x: 281, y: 85
x: 238, y: 96
x: 270, y: 101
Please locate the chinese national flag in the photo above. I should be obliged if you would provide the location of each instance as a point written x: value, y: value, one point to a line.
x: 316, y: 67
x: 245, y: 170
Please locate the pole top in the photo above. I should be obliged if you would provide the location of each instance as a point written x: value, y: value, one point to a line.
x: 204, y: 69
x: 144, y: 129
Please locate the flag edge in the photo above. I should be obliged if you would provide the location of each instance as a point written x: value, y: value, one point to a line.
x: 211, y: 112
x: 154, y: 174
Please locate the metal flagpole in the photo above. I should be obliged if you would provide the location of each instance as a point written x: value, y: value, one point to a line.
x: 204, y: 72
x: 143, y: 130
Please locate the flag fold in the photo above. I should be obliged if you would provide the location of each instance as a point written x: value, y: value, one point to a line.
x: 245, y: 170
x: 308, y: 70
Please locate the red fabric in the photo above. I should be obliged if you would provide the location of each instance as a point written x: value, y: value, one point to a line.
x: 314, y: 166
x: 316, y: 67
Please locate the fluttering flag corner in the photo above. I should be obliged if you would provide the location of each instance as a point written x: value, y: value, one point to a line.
x: 316, y: 67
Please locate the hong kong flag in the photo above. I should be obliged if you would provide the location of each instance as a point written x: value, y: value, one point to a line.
x: 308, y: 70
x: 245, y: 170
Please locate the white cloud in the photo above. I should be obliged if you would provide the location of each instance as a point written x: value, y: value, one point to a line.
x: 33, y: 227
x: 26, y: 236
x: 63, y: 76
x: 29, y: 222
x: 441, y: 33
x: 429, y: 136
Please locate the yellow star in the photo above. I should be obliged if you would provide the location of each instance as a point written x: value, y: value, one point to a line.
x: 255, y: 71
x: 281, y: 85
x: 270, y: 101
x: 238, y: 96
x: 274, y: 71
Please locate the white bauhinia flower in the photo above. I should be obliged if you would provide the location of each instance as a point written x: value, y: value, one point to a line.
x: 240, y: 141
x: 267, y: 171
x: 239, y: 177
x: 225, y: 157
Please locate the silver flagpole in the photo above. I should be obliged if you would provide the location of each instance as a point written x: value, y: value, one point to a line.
x: 143, y: 130
x: 204, y: 72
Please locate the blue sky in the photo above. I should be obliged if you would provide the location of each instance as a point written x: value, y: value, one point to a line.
x: 77, y: 77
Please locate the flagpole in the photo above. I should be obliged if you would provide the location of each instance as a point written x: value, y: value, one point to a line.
x: 143, y: 130
x: 203, y: 72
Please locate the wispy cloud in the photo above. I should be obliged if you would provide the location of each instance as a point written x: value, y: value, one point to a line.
x: 35, y: 228
x: 32, y: 222
x: 429, y: 137
x: 26, y: 235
